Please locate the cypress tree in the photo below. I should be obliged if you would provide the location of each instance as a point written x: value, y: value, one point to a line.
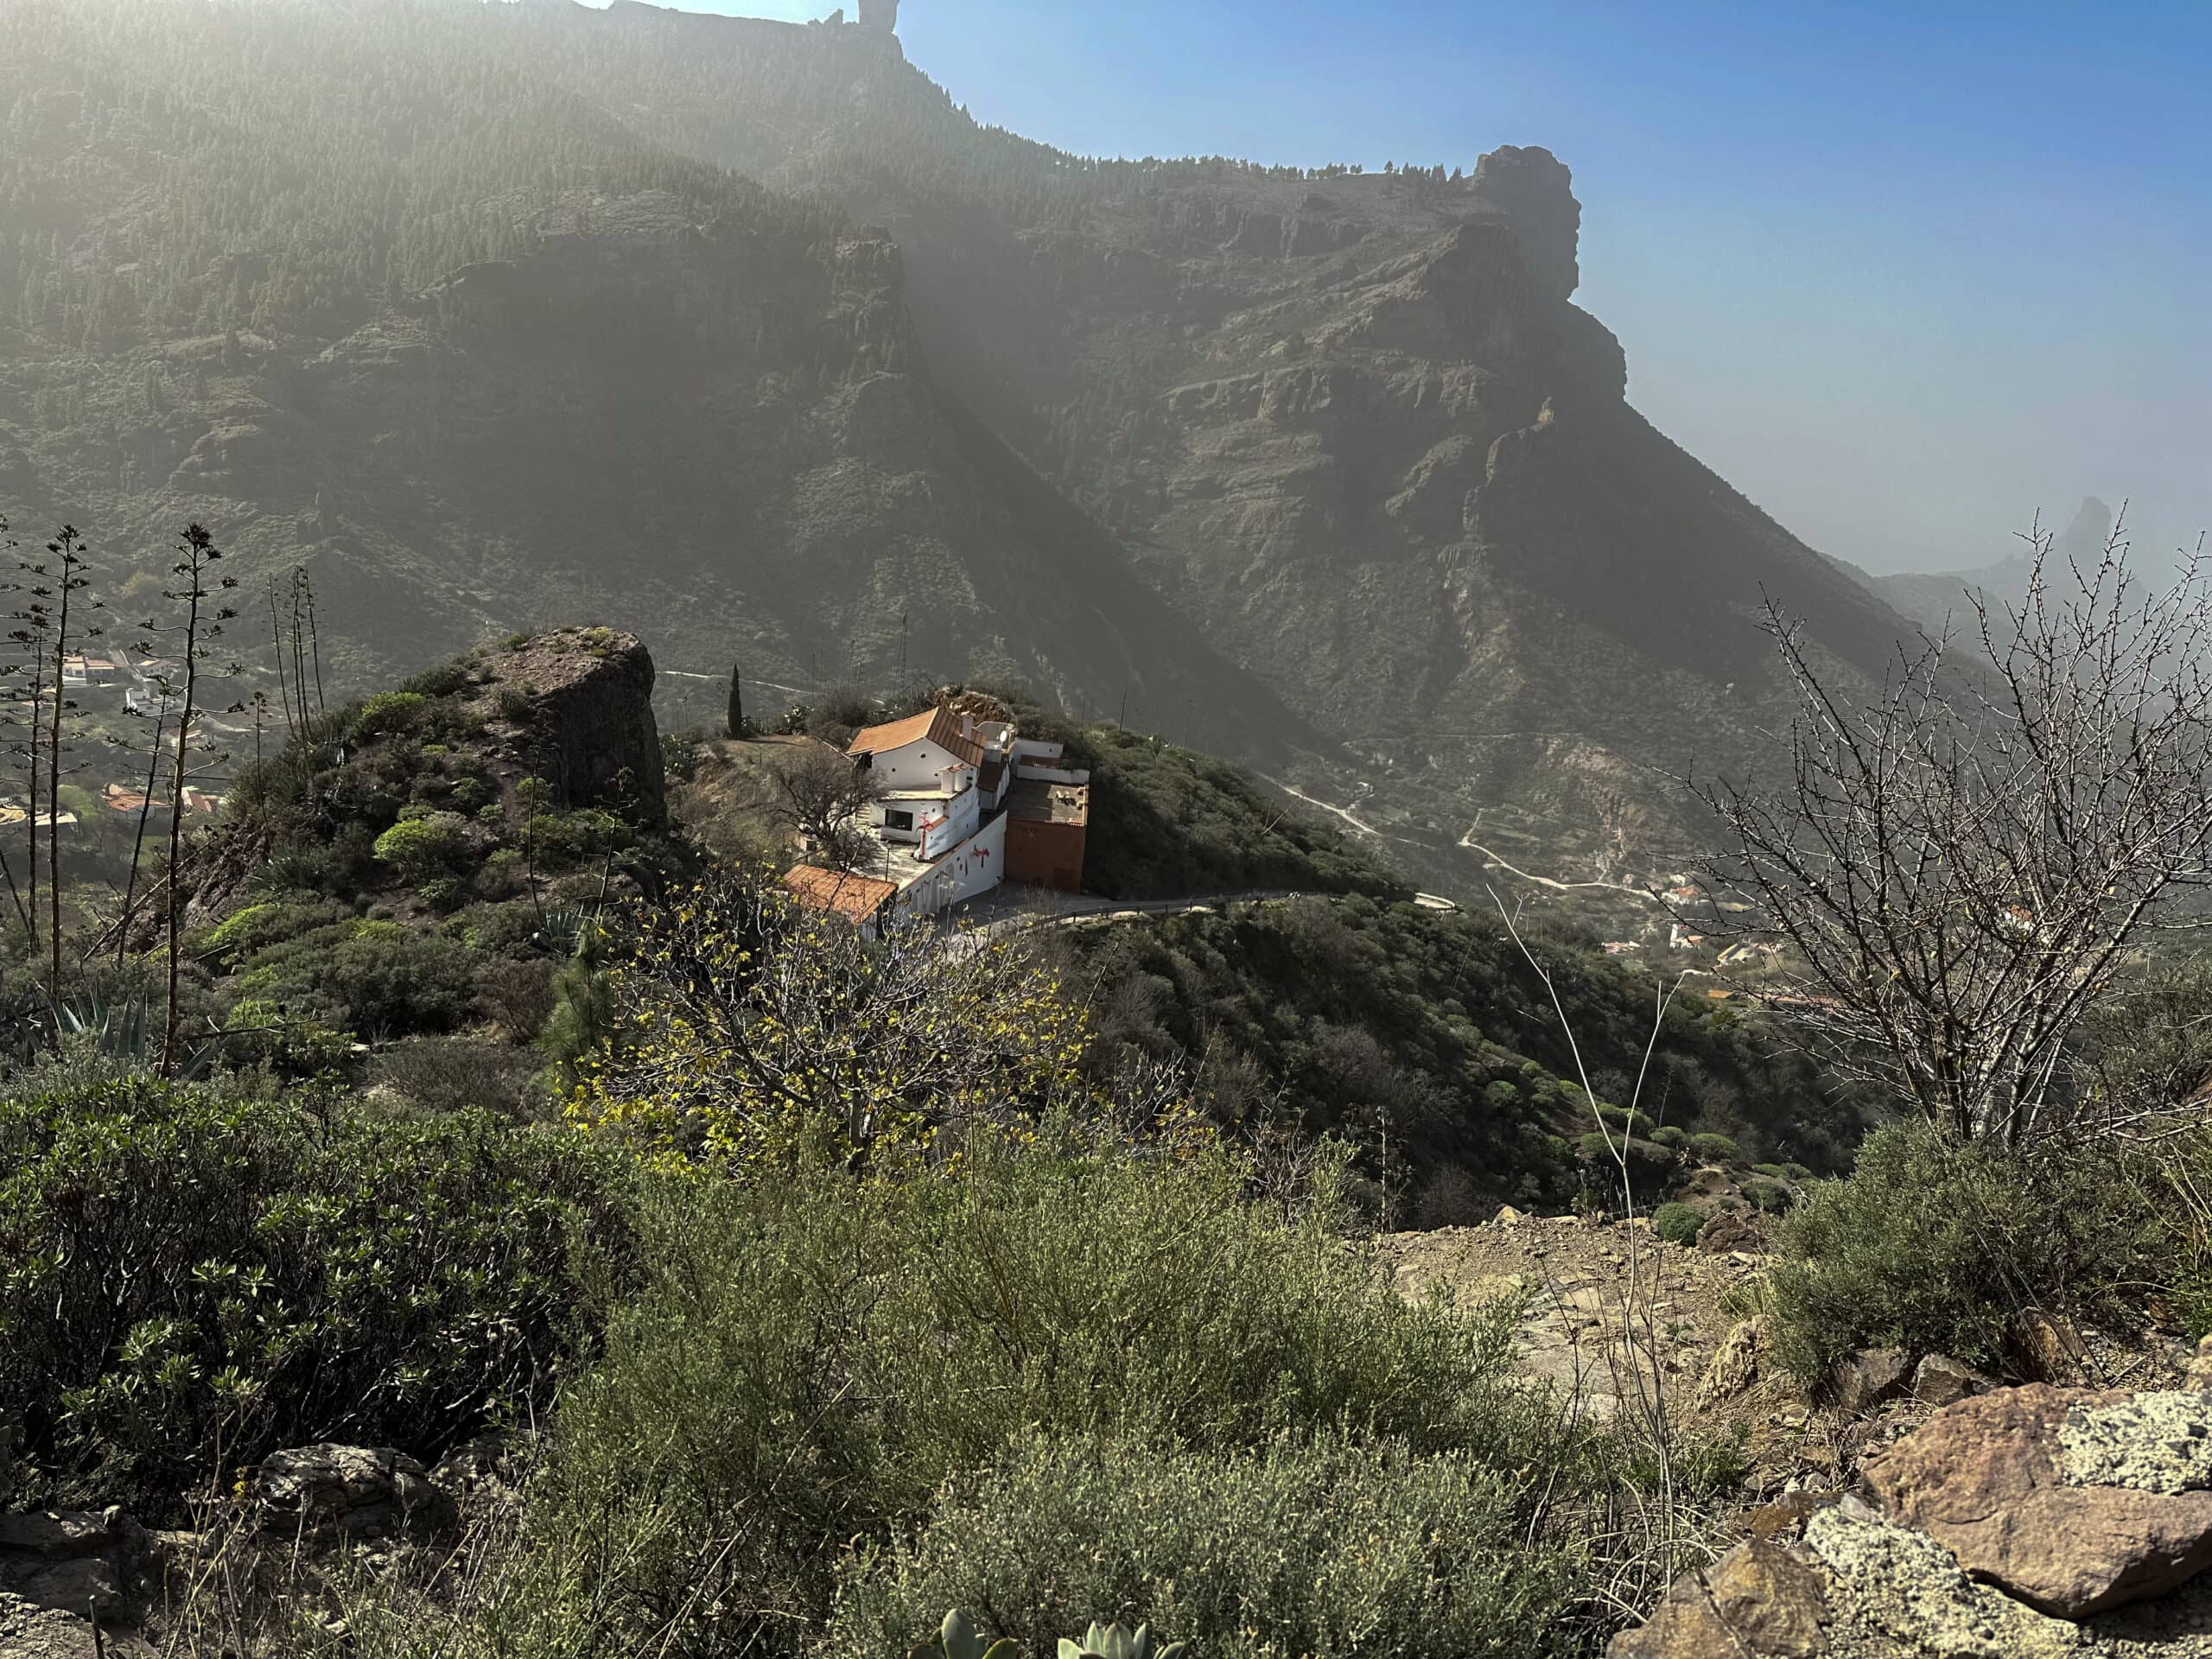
x: 737, y: 700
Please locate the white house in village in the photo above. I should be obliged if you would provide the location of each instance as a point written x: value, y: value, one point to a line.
x: 940, y: 824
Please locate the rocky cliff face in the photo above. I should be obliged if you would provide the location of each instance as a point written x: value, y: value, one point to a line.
x: 581, y: 702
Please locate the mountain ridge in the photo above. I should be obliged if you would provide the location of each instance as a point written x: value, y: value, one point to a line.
x: 1315, y: 467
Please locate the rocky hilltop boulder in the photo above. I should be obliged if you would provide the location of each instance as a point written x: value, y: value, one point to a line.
x: 2014, y: 1524
x: 578, y: 705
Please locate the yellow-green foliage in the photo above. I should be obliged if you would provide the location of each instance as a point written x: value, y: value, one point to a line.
x: 390, y: 713
x: 420, y: 848
x: 752, y: 1027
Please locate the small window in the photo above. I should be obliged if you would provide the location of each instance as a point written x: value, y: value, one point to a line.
x: 897, y: 820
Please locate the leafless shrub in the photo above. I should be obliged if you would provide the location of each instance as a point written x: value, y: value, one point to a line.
x: 519, y: 995
x: 1960, y: 863
x: 821, y: 794
x: 455, y: 1074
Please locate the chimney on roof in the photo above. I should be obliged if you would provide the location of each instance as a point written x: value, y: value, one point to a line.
x: 967, y: 728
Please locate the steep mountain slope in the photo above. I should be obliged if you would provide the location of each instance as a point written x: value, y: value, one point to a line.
x: 457, y: 303
x: 1350, y: 424
x: 364, y: 288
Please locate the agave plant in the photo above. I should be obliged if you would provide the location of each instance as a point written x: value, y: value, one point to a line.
x: 1113, y: 1642
x: 126, y: 1031
x: 572, y: 933
x: 958, y: 1638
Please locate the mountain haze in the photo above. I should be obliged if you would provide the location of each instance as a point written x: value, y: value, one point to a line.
x: 745, y: 336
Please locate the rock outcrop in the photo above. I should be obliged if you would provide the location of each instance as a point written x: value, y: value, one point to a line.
x: 2071, y: 1501
x: 580, y: 700
x: 349, y: 1491
x: 2015, y: 1524
x: 76, y: 1562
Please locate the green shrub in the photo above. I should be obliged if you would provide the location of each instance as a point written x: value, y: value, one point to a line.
x: 562, y: 841
x: 1935, y: 1247
x: 1772, y: 1171
x: 423, y: 848
x: 443, y: 681
x: 371, y: 976
x: 1770, y: 1196
x: 181, y: 1271
x: 1326, y: 1546
x: 1678, y: 1223
x: 819, y: 1355
x: 391, y: 714
x: 243, y: 932
x: 1715, y: 1149
x: 1673, y: 1139
x: 445, y: 894
x: 259, y: 1032
x: 1597, y: 1150
x: 1619, y: 1117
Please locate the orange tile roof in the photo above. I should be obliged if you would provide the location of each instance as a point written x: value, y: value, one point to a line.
x: 939, y: 726
x: 857, y: 897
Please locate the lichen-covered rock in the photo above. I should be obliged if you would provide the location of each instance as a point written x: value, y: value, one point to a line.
x: 2151, y: 1443
x: 1735, y: 1364
x: 350, y: 1490
x: 1892, y: 1591
x: 1987, y: 1478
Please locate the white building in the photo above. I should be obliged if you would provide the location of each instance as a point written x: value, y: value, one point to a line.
x: 943, y: 778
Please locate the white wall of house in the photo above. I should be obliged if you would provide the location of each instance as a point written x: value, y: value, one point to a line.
x: 961, y: 815
x: 901, y: 819
x: 976, y: 866
x: 915, y: 767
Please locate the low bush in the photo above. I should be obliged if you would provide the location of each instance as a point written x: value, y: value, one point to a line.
x: 423, y: 848
x: 1932, y: 1246
x: 375, y: 978
x: 1715, y: 1149
x: 1678, y: 1223
x: 1323, y: 1547
x: 1673, y: 1139
x: 1772, y: 1197
x: 817, y: 1356
x: 391, y: 714
x: 1617, y: 1118
x: 449, y: 1075
x: 189, y: 1281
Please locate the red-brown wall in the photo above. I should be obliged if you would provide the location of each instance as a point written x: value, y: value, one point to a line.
x: 1045, y: 855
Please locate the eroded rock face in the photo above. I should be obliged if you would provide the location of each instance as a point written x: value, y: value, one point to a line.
x: 72, y: 1561
x: 1872, y: 1378
x: 1762, y: 1600
x: 2024, y: 1486
x: 2023, y: 1523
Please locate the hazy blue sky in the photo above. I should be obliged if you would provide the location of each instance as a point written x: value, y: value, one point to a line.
x: 1905, y: 272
